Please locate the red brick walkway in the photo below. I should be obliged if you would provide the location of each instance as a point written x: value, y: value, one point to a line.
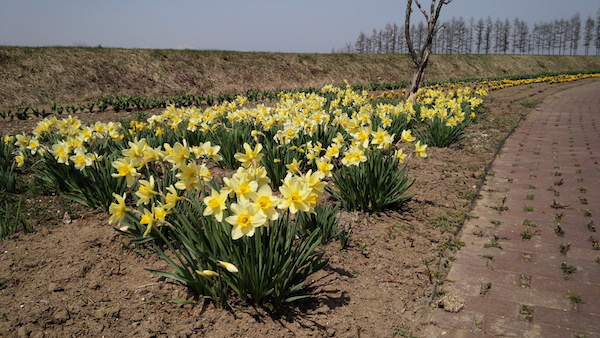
x: 529, y: 267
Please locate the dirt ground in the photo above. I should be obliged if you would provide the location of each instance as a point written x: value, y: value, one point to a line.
x: 76, y: 276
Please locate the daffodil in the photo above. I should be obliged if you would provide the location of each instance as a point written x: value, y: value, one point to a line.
x: 146, y: 191
x: 354, y: 156
x: 179, y: 154
x: 420, y: 149
x: 400, y: 155
x: 407, y: 136
x: 295, y: 192
x: 215, y: 204
x: 211, y: 152
x: 153, y: 217
x: 241, y: 185
x: 245, y: 219
x: 317, y: 186
x: 333, y: 151
x: 81, y: 160
x: 339, y: 138
x: 324, y: 166
x: 382, y: 139
x: 451, y: 122
x: 171, y: 198
x: 135, y: 152
x: 266, y: 202
x: 251, y: 157
x: 294, y: 167
x: 207, y: 273
x: 125, y: 169
x: 61, y: 151
x: 117, y: 210
x: 362, y: 135
x: 33, y: 145
x: 19, y: 159
x: 188, y: 177
x: 229, y: 266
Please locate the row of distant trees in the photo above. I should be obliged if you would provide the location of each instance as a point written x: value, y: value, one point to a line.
x: 487, y: 36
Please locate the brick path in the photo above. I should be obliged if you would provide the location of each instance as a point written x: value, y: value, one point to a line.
x: 545, y: 184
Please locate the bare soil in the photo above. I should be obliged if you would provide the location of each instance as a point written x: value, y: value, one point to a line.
x: 76, y: 276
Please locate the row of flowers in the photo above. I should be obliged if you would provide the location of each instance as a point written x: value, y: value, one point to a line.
x: 235, y: 197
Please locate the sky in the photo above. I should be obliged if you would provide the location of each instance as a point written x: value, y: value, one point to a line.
x: 306, y: 26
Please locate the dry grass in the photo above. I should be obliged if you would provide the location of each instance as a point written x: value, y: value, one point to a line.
x: 73, y: 75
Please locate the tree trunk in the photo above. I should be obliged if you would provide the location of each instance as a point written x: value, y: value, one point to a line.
x: 421, y: 59
x: 418, y: 78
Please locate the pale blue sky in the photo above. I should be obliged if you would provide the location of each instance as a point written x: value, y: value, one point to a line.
x: 252, y: 25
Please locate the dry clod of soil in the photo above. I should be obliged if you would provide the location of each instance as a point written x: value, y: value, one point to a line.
x: 451, y: 303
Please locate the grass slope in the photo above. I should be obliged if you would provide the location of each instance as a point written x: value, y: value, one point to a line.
x: 73, y: 75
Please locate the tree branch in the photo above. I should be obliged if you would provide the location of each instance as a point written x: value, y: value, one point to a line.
x: 409, y: 42
x: 422, y: 10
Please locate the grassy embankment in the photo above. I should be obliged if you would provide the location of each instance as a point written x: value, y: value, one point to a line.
x: 71, y: 75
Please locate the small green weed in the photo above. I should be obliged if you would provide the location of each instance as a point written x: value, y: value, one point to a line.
x: 574, y: 298
x: 568, y: 270
x: 493, y: 243
x: 478, y: 233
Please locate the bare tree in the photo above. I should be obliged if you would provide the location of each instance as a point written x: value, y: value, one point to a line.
x: 575, y: 25
x: 498, y: 29
x: 598, y: 32
x: 588, y: 34
x: 479, y: 34
x: 421, y: 56
x: 469, y: 44
x: 488, y: 34
x: 515, y: 36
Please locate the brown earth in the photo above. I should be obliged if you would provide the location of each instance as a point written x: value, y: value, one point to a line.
x: 76, y: 276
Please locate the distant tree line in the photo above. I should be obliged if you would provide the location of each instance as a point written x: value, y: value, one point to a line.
x: 487, y: 36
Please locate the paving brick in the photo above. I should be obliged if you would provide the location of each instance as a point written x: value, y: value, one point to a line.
x: 554, y: 156
x: 564, y: 318
x: 487, y: 306
x: 505, y: 327
x: 461, y: 320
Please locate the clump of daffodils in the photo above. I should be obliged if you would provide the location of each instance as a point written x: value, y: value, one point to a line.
x: 245, y: 201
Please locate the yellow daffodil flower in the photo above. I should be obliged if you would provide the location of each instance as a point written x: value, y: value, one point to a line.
x: 354, y: 156
x: 407, y: 136
x: 245, y: 219
x: 294, y: 167
x: 420, y: 149
x: 146, y: 191
x: 295, y: 192
x: 251, y: 157
x: 189, y: 177
x: 117, y: 210
x: 266, y: 202
x: 215, y: 204
x: 126, y: 169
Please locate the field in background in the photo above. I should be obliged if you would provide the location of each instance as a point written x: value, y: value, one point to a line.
x: 73, y: 75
